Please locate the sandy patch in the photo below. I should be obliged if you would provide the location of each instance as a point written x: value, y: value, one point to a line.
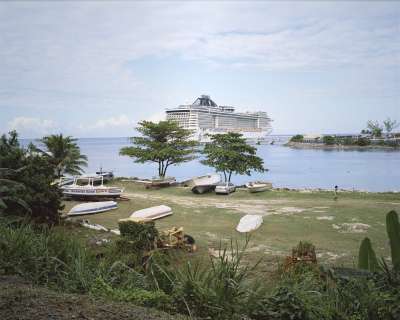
x: 289, y: 210
x: 330, y: 255
x: 325, y: 218
x: 319, y: 211
x: 351, y: 227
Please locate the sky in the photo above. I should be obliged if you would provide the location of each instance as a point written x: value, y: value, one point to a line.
x: 94, y: 69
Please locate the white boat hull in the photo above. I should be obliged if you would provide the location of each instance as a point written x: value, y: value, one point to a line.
x: 249, y: 223
x: 152, y: 213
x: 92, y: 208
x: 205, y: 183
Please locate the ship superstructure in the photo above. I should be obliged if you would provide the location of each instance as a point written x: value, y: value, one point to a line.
x: 205, y: 117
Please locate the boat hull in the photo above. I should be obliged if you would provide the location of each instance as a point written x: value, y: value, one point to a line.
x: 203, y: 189
x: 92, y: 208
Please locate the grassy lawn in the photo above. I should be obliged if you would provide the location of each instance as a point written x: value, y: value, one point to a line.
x: 335, y: 227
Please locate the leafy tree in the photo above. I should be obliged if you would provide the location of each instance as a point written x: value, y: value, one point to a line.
x: 297, y: 138
x: 64, y: 154
x: 390, y: 125
x: 229, y: 153
x: 164, y: 143
x: 375, y: 128
x: 329, y: 140
x: 26, y: 184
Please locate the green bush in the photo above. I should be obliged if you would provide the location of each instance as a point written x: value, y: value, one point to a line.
x: 137, y: 236
x: 329, y: 140
x: 137, y: 296
x: 297, y: 138
x: 35, y: 174
x: 361, y: 141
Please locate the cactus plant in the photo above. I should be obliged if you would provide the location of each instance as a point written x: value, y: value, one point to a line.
x: 393, y: 231
x: 366, y: 256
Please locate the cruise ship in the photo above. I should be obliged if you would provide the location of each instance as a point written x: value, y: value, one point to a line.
x: 204, y: 117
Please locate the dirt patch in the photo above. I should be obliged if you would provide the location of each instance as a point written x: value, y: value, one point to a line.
x: 325, y: 218
x: 289, y: 210
x: 351, y: 227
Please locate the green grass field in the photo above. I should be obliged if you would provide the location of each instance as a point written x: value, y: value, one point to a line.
x: 335, y: 227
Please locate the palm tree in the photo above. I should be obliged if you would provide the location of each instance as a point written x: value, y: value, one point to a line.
x: 64, y: 154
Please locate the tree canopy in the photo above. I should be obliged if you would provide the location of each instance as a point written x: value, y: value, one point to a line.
x: 164, y: 143
x: 64, y: 154
x: 230, y: 153
x: 375, y: 128
x: 26, y: 178
x: 390, y: 125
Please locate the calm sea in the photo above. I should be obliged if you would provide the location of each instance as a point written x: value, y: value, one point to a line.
x: 372, y: 170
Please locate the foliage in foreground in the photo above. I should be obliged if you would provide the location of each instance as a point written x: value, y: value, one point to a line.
x: 230, y: 153
x: 223, y: 289
x: 31, y: 190
x: 164, y: 143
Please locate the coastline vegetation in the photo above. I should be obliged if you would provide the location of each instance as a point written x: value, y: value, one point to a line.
x: 370, y: 137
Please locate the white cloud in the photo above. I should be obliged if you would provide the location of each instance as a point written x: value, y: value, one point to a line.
x: 121, y: 121
x: 32, y: 127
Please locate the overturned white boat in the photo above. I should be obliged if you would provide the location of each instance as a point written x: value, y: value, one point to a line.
x: 249, y: 223
x: 258, y: 186
x: 92, y: 207
x: 205, y: 183
x: 90, y: 187
x: 152, y: 213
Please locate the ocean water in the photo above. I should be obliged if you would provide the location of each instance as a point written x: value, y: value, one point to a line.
x: 371, y: 170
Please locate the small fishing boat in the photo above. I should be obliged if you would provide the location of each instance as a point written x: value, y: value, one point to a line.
x: 258, y: 186
x: 107, y: 175
x: 205, y: 183
x: 225, y: 188
x: 90, y: 187
x: 152, y: 213
x: 249, y: 223
x: 92, y: 207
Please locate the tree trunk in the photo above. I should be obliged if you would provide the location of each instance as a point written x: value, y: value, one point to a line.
x: 230, y: 174
x: 224, y: 176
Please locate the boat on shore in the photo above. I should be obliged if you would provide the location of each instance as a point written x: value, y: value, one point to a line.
x: 206, y: 183
x: 258, y: 186
x: 90, y: 187
x: 249, y: 223
x: 92, y: 207
x: 152, y: 213
x: 107, y: 175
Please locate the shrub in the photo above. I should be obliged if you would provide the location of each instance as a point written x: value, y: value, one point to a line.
x: 329, y: 140
x: 297, y: 138
x: 155, y: 299
x: 35, y: 174
x: 361, y: 141
x: 137, y: 236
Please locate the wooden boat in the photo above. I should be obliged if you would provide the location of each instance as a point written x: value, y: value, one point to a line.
x: 152, y: 213
x: 205, y: 183
x: 92, y: 207
x: 225, y: 188
x: 92, y: 188
x: 249, y: 223
x: 258, y: 186
x: 160, y: 182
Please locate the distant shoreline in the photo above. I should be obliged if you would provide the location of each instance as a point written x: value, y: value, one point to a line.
x: 307, y: 145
